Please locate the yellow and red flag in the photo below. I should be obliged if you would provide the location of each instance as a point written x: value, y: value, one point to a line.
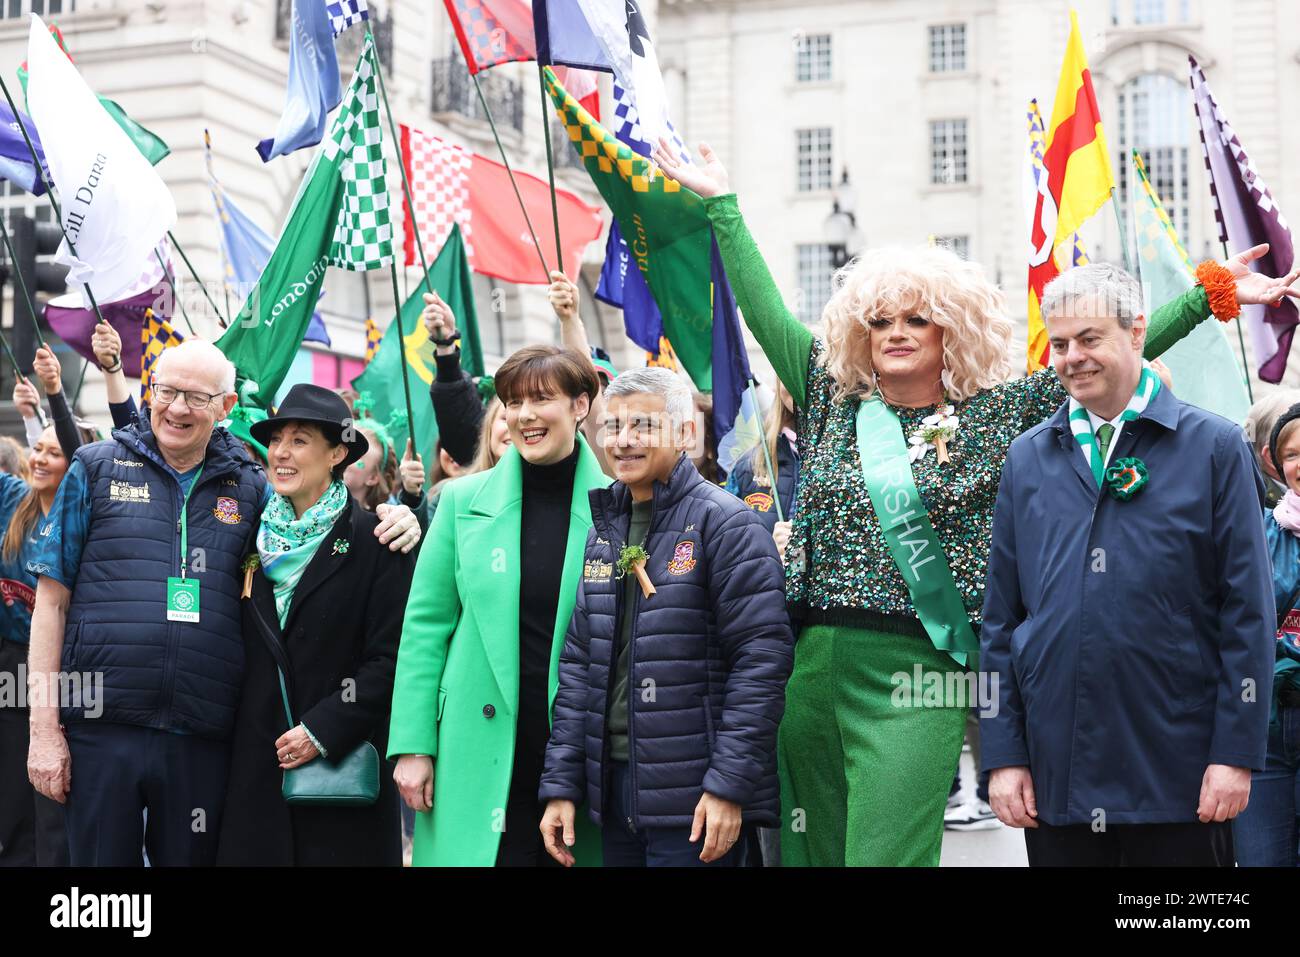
x: 1078, y: 179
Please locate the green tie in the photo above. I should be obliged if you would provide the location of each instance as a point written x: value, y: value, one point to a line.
x: 1105, y: 432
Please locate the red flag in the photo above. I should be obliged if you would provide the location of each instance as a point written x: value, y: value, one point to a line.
x: 450, y: 185
x: 493, y: 31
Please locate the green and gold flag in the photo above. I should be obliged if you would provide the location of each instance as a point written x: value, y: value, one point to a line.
x: 666, y: 228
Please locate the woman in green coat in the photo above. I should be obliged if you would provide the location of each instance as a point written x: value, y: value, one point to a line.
x: 492, y: 595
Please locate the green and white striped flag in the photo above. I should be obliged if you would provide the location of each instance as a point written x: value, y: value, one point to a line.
x: 340, y: 217
x: 363, y: 238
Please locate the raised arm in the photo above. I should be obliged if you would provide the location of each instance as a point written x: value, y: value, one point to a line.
x: 563, y: 296
x: 48, y: 370
x: 1177, y: 318
x: 457, y: 409
x: 785, y: 341
x: 107, y: 346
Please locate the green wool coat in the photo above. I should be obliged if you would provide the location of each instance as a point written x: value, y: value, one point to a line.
x: 460, y: 653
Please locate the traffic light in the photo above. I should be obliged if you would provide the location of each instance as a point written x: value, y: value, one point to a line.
x: 35, y: 243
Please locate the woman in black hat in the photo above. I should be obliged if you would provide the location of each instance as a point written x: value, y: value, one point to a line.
x: 321, y: 629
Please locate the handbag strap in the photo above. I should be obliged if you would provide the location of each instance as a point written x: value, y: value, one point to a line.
x: 278, y: 653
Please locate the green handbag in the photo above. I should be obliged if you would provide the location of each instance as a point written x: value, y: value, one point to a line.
x: 352, y: 781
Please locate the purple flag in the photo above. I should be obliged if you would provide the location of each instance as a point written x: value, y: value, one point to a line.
x: 74, y: 324
x: 1247, y: 216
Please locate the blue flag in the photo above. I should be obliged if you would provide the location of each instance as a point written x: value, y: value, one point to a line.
x: 731, y: 374
x: 565, y: 38
x: 622, y: 285
x: 314, y: 84
x: 246, y: 249
x: 16, y: 164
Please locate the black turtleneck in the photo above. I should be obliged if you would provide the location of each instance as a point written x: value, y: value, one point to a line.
x: 544, y: 532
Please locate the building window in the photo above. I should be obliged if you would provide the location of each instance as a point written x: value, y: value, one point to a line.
x: 948, y: 48
x: 13, y: 9
x: 813, y: 153
x: 814, y: 279
x: 1148, y: 11
x: 958, y: 244
x: 948, y: 152
x: 453, y: 92
x: 1154, y: 119
x: 812, y: 59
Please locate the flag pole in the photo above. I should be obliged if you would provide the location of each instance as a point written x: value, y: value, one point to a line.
x: 546, y: 270
x: 18, y: 372
x: 85, y: 364
x: 550, y: 167
x: 49, y: 191
x: 1241, y: 339
x: 176, y: 295
x: 225, y: 324
x: 22, y: 283
x: 1123, y: 235
x: 767, y: 453
x: 406, y: 185
x: 401, y: 345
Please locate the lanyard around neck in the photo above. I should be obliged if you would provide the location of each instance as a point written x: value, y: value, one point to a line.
x: 184, y: 520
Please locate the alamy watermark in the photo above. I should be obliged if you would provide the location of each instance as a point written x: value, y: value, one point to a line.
x: 922, y: 688
x: 72, y: 690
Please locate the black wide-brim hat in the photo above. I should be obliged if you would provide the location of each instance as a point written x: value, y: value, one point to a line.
x: 322, y: 408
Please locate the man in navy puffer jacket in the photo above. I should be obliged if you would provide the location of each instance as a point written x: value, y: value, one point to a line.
x: 159, y: 677
x: 672, y: 679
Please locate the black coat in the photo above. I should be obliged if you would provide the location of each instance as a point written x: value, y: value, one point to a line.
x: 341, y: 637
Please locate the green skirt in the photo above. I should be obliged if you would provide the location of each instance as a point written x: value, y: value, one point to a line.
x: 868, y: 748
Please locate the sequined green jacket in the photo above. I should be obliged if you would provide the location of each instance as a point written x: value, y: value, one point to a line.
x: 837, y: 558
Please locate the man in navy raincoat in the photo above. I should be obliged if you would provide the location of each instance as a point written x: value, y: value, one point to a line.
x: 1128, y: 616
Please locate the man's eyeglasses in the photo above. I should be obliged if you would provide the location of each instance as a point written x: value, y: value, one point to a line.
x: 165, y: 395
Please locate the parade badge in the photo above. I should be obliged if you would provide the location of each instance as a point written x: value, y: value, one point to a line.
x: 227, y: 511
x: 597, y: 571
x: 1125, y: 478
x: 183, y: 599
x: 759, y: 501
x: 683, y: 559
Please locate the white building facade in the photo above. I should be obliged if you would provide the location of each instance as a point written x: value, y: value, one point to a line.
x: 182, y: 66
x: 924, y: 105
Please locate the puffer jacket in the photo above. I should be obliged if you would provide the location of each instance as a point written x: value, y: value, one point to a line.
x: 170, y: 675
x: 758, y: 496
x: 711, y: 652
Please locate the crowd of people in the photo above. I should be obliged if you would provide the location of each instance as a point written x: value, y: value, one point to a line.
x: 570, y: 639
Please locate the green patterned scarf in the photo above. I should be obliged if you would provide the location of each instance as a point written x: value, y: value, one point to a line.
x: 287, y: 543
x: 1081, y: 425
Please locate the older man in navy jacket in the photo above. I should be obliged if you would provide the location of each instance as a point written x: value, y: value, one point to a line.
x: 1127, y: 618
x: 672, y: 678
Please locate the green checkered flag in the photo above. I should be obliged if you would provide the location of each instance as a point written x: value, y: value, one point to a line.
x: 363, y: 237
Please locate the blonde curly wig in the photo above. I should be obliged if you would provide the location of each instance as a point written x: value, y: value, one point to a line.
x: 929, y: 281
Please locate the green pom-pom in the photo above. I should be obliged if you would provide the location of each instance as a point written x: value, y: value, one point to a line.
x: 1125, y: 478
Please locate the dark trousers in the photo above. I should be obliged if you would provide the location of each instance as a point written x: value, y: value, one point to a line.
x: 32, y: 830
x: 1130, y: 845
x: 1265, y: 834
x: 626, y: 846
x: 521, y: 843
x: 120, y: 771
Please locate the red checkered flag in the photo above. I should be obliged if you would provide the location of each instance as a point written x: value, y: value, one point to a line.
x: 493, y: 31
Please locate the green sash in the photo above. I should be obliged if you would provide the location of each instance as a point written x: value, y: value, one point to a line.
x: 911, y: 539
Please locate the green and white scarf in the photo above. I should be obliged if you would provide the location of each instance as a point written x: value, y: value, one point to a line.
x: 1081, y: 425
x: 286, y: 543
